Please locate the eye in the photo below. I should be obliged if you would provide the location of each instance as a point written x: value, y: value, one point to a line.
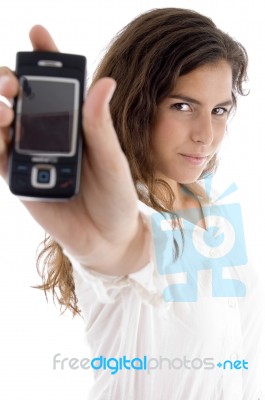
x: 181, y: 106
x: 220, y: 111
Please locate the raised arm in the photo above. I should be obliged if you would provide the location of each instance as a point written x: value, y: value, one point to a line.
x: 101, y: 226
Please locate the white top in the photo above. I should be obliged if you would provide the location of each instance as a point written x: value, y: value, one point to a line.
x: 180, y: 320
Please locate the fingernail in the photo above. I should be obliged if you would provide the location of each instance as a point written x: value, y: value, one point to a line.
x: 4, y: 81
x: 4, y: 100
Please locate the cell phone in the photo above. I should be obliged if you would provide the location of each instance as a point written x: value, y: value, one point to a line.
x: 46, y: 135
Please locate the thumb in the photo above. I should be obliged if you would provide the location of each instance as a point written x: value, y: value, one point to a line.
x: 97, y: 122
x: 41, y: 39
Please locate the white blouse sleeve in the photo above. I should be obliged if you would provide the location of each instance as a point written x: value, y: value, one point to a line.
x: 146, y: 282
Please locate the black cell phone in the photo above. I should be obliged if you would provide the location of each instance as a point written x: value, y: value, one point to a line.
x: 46, y: 136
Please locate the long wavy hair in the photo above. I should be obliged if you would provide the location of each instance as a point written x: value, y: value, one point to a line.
x: 146, y: 58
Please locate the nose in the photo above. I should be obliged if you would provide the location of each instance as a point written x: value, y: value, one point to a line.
x: 202, y: 131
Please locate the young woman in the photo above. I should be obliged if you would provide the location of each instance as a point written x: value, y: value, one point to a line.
x: 127, y: 250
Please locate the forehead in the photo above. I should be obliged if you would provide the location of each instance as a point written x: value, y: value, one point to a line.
x: 208, y: 81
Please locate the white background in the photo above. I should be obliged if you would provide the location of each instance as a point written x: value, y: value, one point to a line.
x: 31, y: 330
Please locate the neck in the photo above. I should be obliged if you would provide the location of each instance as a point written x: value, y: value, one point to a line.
x: 186, y: 195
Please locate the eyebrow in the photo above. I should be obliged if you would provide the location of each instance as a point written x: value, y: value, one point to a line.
x: 191, y: 100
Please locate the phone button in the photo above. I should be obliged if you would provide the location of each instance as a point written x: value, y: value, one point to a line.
x: 67, y: 184
x: 43, y: 176
x: 67, y: 170
x: 22, y: 168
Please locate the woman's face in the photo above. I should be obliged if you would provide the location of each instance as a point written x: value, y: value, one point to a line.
x: 191, y: 123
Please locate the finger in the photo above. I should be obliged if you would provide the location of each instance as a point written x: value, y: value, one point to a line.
x: 100, y: 135
x: 9, y: 85
x: 6, y: 115
x: 41, y: 39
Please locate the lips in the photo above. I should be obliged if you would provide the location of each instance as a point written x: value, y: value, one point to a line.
x: 195, y: 159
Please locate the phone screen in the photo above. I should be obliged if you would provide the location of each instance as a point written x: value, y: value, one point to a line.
x: 47, y: 117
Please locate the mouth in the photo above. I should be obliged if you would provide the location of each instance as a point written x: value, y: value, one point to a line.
x: 194, y: 159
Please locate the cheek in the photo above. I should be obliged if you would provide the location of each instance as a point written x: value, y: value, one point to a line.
x: 168, y: 132
x: 219, y: 134
x: 160, y: 136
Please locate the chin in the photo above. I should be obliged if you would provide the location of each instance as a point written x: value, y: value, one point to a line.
x: 186, y: 177
x: 189, y: 179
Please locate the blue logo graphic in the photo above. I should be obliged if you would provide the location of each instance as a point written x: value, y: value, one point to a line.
x: 221, y: 245
x: 237, y: 364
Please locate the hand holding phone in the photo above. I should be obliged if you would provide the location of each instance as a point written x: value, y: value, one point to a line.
x: 46, y: 146
x: 100, y: 226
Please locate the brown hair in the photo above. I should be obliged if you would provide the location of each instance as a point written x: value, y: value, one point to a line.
x: 146, y: 58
